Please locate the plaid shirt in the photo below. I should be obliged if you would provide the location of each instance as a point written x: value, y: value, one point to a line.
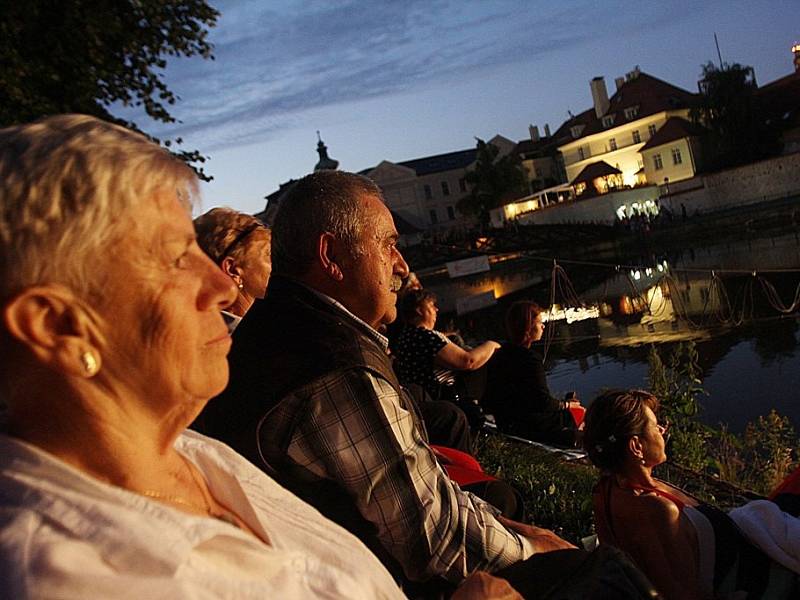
x: 351, y: 426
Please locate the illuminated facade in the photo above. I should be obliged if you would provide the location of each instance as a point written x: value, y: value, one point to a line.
x: 615, y: 129
x: 425, y: 191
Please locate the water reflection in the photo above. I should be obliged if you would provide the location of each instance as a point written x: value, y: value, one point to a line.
x: 726, y: 297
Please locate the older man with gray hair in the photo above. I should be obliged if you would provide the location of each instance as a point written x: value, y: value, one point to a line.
x: 313, y: 398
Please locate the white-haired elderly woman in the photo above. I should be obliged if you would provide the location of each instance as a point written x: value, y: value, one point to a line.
x: 112, y: 341
x: 240, y: 245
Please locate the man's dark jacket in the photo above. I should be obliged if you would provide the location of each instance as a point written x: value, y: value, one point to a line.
x: 286, y: 341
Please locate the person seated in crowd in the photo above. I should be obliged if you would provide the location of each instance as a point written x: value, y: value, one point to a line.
x: 426, y: 357
x: 313, y: 397
x: 111, y: 342
x: 687, y: 548
x: 516, y: 390
x: 240, y: 245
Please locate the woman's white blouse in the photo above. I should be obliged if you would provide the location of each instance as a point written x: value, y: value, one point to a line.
x: 66, y: 535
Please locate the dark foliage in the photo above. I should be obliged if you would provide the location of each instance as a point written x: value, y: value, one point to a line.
x: 83, y: 56
x: 729, y: 108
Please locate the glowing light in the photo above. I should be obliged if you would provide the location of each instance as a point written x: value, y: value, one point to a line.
x: 637, y: 275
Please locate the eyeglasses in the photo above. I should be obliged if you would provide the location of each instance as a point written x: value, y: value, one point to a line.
x: 662, y: 429
x: 240, y: 238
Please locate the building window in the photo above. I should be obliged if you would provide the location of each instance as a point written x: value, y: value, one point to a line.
x: 576, y: 130
x: 651, y: 130
x: 445, y: 189
x: 659, y: 164
x: 462, y: 184
x: 676, y: 156
x: 631, y: 112
x: 637, y: 139
x: 581, y: 153
x: 451, y: 213
x: 608, y: 120
x: 434, y: 217
x: 428, y: 192
x: 612, y: 144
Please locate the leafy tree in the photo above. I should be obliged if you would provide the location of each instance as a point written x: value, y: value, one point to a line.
x: 493, y: 180
x: 739, y: 132
x: 83, y: 56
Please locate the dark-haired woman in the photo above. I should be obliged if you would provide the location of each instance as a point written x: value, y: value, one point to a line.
x: 517, y: 393
x: 425, y: 356
x: 687, y: 548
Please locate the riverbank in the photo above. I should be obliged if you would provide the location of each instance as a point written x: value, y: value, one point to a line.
x: 584, y: 241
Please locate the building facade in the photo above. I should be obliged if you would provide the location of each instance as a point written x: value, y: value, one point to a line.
x: 615, y: 129
x: 425, y: 191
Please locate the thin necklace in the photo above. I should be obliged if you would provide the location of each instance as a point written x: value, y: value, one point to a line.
x: 227, y: 517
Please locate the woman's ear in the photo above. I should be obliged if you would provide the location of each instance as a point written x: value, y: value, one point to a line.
x: 231, y: 269
x: 635, y: 448
x: 50, y: 322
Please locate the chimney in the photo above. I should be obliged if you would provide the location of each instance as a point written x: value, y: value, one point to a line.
x: 547, y: 130
x: 534, y: 131
x: 599, y: 96
x: 796, y: 53
x: 619, y: 81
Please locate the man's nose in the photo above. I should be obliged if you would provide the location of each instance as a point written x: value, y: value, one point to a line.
x: 400, y: 264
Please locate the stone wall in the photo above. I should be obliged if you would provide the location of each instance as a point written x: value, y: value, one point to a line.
x: 750, y: 184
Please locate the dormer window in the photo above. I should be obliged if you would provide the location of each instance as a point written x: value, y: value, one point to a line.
x: 576, y: 130
x: 608, y: 120
x: 631, y: 112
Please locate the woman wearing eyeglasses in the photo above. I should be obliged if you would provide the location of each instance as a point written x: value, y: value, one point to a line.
x: 240, y: 245
x: 687, y: 548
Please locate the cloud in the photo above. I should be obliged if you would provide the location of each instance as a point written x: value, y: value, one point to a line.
x: 272, y: 64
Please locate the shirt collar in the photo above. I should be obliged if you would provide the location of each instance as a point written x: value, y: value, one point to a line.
x: 381, y: 339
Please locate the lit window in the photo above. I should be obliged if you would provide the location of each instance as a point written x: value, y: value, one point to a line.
x: 659, y: 164
x: 434, y: 217
x: 608, y: 120
x: 451, y: 213
x: 637, y: 139
x: 462, y: 184
x: 445, y: 189
x: 612, y: 144
x: 428, y: 192
x: 651, y: 130
x: 676, y: 156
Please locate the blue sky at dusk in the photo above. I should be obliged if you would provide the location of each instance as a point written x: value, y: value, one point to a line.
x: 400, y: 80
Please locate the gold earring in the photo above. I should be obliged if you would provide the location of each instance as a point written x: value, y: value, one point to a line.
x: 89, y: 363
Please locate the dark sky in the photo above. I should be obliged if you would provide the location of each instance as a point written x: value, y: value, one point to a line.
x: 397, y: 80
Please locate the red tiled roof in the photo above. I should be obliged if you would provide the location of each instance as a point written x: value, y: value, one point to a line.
x: 781, y: 96
x: 675, y: 128
x: 648, y: 94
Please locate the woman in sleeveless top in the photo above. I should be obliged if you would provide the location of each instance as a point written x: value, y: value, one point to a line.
x: 688, y: 549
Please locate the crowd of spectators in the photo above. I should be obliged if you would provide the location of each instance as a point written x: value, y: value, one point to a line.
x: 308, y: 471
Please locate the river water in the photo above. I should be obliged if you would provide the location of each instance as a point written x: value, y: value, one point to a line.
x: 733, y: 299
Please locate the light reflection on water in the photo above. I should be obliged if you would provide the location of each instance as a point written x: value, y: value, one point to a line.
x: 748, y: 368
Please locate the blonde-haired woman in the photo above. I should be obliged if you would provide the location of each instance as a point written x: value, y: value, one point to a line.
x: 111, y: 342
x: 240, y: 245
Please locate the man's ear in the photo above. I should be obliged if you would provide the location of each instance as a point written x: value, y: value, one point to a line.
x: 327, y: 254
x: 50, y: 322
